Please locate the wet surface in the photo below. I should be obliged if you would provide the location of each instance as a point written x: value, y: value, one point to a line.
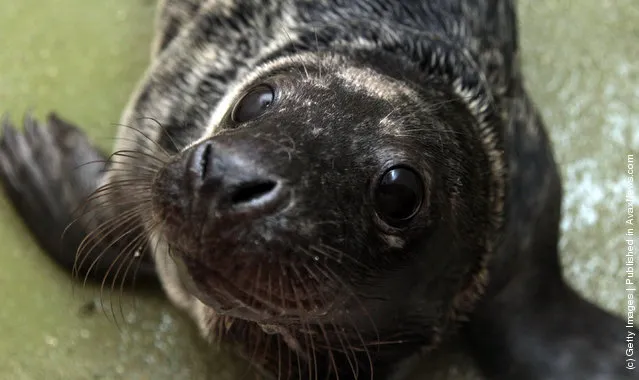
x: 83, y: 59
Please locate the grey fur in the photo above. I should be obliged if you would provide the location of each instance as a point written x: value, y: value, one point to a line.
x: 453, y: 104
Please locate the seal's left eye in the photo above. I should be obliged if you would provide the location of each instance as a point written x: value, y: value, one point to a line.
x: 398, y: 195
x: 253, y: 103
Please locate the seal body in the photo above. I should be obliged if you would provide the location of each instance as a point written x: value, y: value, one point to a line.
x: 336, y: 185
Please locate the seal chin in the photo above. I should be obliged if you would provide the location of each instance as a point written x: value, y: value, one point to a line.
x: 275, y: 301
x: 230, y: 304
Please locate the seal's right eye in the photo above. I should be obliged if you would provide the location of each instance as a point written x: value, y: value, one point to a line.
x: 398, y: 195
x: 253, y: 103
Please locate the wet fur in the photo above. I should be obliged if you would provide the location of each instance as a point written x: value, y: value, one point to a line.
x: 501, y: 202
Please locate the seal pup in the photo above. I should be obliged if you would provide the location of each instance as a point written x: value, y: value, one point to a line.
x: 338, y: 186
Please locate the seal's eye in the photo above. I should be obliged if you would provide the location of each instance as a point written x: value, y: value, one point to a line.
x: 398, y: 195
x: 253, y: 103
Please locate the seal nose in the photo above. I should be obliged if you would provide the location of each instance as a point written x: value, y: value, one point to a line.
x: 233, y: 179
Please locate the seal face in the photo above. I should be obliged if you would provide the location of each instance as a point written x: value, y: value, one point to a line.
x: 336, y: 185
x: 315, y: 189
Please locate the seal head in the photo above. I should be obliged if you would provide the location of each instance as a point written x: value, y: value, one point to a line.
x: 332, y: 198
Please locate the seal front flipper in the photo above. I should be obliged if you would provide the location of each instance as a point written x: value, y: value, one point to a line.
x: 49, y: 170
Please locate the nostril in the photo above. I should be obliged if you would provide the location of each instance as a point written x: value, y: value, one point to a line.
x: 229, y: 179
x: 205, y: 160
x: 252, y: 191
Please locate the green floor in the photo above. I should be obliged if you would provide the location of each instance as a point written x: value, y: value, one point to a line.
x: 82, y: 58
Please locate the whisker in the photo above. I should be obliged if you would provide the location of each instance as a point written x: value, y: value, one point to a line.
x: 129, y: 251
x: 279, y: 360
x: 110, y: 226
x: 354, y: 366
x: 145, y: 136
x: 131, y: 169
x: 85, y: 250
x: 138, y: 192
x: 317, y: 51
x: 363, y: 308
x: 305, y: 324
x: 102, y: 287
x: 300, y: 306
x: 136, y: 155
x: 322, y: 328
x: 340, y: 255
x: 101, y: 203
x: 134, y: 142
x: 288, y: 36
x: 164, y: 130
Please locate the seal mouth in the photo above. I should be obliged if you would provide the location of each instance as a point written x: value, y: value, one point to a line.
x: 260, y: 292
